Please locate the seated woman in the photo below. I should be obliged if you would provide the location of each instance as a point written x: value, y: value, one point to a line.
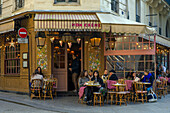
x: 39, y: 70
x: 82, y: 80
x: 36, y: 76
x: 129, y: 76
x: 96, y: 79
x: 134, y: 77
x: 112, y: 75
x: 90, y: 74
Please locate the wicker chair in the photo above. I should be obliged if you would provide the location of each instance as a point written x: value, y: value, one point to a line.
x: 36, y: 88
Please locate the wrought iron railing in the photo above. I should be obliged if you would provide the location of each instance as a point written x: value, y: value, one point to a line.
x: 137, y: 18
x: 115, y: 6
x: 19, y: 4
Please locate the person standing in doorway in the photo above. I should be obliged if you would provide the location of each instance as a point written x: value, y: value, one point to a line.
x: 75, y: 71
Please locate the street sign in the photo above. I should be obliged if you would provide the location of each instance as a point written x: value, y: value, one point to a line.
x: 22, y: 40
x: 22, y: 32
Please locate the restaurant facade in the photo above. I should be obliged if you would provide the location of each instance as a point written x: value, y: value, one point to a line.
x: 99, y: 40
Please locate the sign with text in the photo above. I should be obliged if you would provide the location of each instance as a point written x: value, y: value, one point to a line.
x: 22, y: 40
x: 22, y: 32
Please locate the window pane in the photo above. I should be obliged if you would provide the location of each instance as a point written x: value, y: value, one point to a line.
x: 60, y: 0
x: 72, y: 1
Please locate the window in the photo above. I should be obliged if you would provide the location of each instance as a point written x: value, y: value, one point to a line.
x: 0, y: 7
x: 19, y: 4
x: 59, y: 55
x: 160, y: 24
x: 150, y: 17
x: 115, y: 5
x: 12, y: 59
x: 137, y: 10
x: 0, y: 61
x: 65, y: 1
x: 123, y: 64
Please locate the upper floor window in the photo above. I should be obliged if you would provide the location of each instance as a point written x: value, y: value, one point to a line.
x: 160, y: 24
x: 0, y: 61
x: 19, y: 4
x: 66, y: 1
x: 138, y: 11
x: 0, y: 7
x: 115, y: 5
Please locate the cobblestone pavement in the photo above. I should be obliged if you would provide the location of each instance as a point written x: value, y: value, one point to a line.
x: 8, y: 107
x: 71, y: 105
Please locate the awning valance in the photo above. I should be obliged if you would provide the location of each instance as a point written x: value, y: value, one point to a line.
x: 6, y: 26
x: 66, y: 22
x: 121, y: 25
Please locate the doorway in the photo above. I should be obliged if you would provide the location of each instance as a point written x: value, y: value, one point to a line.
x: 61, y: 58
x: 74, y: 50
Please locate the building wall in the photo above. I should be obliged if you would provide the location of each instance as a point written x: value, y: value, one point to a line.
x: 20, y: 82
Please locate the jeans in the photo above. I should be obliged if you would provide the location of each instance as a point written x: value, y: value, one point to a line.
x: 74, y: 79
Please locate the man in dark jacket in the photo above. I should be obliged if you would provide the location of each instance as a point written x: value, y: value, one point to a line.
x: 112, y: 75
x: 75, y: 70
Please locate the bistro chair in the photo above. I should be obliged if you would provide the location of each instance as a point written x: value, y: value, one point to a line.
x: 111, y: 90
x: 161, y: 88
x: 139, y: 90
x: 48, y: 88
x: 36, y: 88
x: 55, y: 82
x: 121, y: 96
x: 98, y: 95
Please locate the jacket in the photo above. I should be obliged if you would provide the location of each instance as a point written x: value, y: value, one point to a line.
x: 75, y: 66
x: 113, y: 77
x: 99, y: 80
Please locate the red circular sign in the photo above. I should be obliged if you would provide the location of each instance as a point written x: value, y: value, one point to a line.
x: 22, y: 32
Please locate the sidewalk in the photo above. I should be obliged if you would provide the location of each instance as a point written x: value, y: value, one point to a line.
x: 71, y: 105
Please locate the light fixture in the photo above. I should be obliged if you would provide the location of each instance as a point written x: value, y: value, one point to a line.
x: 61, y: 43
x: 78, y: 40
x: 69, y: 44
x: 137, y: 43
x: 112, y: 43
x: 95, y: 40
x: 40, y: 39
x: 12, y: 44
x: 52, y: 39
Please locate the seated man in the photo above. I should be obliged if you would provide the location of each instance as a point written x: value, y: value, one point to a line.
x: 112, y: 75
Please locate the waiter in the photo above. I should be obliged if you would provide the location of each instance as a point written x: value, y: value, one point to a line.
x: 75, y: 71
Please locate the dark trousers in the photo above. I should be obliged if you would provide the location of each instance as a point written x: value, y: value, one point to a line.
x: 89, y: 92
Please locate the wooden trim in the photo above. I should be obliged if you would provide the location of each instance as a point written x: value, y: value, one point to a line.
x: 130, y: 52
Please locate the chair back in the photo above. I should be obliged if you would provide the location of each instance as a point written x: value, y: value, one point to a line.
x: 55, y: 83
x: 36, y: 83
x: 121, y: 81
x: 129, y: 85
x: 139, y: 86
x: 109, y: 84
x: 48, y: 85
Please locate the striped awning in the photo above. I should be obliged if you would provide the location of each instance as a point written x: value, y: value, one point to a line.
x: 66, y: 22
x: 6, y: 26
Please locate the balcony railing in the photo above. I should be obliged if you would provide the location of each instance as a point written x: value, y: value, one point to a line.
x: 115, y: 6
x: 137, y: 18
x: 160, y: 31
x: 0, y: 9
x: 19, y: 4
